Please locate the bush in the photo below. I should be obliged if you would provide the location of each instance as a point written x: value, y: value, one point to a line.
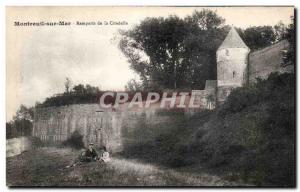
x: 36, y: 142
x: 75, y: 140
x: 253, y: 133
x: 241, y: 98
x: 276, y: 86
x: 176, y: 161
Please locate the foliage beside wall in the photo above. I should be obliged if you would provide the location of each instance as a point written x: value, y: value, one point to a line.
x: 251, y: 137
x: 253, y: 133
x: 74, y: 141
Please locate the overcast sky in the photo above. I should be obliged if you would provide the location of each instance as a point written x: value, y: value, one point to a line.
x: 40, y: 58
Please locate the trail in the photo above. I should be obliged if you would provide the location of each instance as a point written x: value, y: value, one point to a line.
x: 155, y: 175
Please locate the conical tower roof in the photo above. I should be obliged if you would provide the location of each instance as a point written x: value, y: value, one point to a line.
x: 233, y: 40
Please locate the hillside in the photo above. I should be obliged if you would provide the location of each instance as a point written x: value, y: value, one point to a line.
x: 254, y: 132
x: 46, y: 167
x: 250, y: 138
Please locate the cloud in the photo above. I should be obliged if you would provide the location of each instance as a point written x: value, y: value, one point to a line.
x: 85, y: 56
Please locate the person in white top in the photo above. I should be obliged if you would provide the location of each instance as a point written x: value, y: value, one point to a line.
x: 104, y: 156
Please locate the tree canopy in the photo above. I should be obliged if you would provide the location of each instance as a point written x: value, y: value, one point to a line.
x: 176, y: 53
x: 173, y: 52
x: 289, y: 57
x: 258, y: 37
x: 21, y: 124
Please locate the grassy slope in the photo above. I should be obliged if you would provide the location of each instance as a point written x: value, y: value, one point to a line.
x: 168, y: 146
x: 252, y: 134
x: 45, y: 167
x: 249, y: 138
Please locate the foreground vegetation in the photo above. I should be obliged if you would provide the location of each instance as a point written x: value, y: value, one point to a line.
x: 253, y: 133
x: 250, y: 138
x: 46, y: 167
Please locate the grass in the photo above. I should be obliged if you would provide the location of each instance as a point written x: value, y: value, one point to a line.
x: 45, y: 167
x: 169, y: 145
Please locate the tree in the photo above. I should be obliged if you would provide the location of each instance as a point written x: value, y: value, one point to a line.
x: 24, y: 113
x: 133, y: 85
x: 173, y: 52
x: 289, y: 57
x: 280, y: 30
x: 79, y: 89
x: 206, y: 33
x: 152, y: 47
x: 205, y: 19
x: 91, y: 90
x: 21, y: 124
x: 79, y: 94
x: 258, y: 37
x: 11, y: 131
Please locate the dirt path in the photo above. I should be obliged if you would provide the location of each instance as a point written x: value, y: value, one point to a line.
x: 45, y: 167
x: 154, y: 175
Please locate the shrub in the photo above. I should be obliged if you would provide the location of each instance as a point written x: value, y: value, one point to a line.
x: 241, y: 98
x: 36, y: 142
x: 176, y: 161
x: 75, y: 140
x: 253, y: 133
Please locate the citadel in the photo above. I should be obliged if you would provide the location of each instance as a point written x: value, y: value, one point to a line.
x: 113, y: 127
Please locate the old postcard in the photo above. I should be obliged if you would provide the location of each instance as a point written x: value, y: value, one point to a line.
x: 150, y: 96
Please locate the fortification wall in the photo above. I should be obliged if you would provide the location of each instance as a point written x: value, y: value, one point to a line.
x: 267, y: 60
x: 206, y: 99
x: 118, y: 129
x: 113, y: 129
x: 56, y: 124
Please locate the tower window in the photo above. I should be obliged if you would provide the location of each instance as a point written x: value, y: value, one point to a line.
x: 227, y: 52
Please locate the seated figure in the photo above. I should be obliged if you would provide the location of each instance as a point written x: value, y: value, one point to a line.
x: 89, y: 155
x: 104, y: 155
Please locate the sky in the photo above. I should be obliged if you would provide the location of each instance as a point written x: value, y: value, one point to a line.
x: 40, y: 58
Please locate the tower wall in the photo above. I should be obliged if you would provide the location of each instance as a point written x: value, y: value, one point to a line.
x: 232, y: 66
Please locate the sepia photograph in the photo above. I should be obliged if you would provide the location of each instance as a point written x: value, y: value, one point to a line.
x: 150, y: 96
